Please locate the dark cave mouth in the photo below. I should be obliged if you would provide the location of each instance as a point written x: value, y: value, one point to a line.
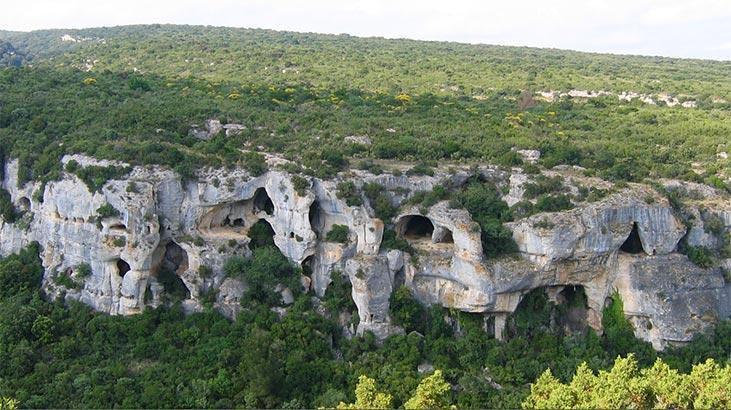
x: 418, y: 226
x: 633, y: 244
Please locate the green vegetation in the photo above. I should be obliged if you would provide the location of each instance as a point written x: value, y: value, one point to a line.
x: 701, y: 256
x: 107, y: 211
x: 69, y: 356
x: 301, y: 185
x: 486, y: 207
x: 299, y: 95
x: 627, y: 386
x: 7, y: 209
x: 338, y: 233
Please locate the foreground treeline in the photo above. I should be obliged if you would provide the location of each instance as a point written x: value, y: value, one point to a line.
x: 56, y: 356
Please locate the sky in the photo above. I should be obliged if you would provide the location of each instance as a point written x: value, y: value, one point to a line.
x: 675, y: 28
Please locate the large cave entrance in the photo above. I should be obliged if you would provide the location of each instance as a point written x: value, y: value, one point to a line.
x: 262, y: 202
x: 122, y: 267
x: 261, y: 234
x: 417, y: 227
x: 633, y: 243
x: 175, y: 259
x: 174, y: 288
x: 573, y: 309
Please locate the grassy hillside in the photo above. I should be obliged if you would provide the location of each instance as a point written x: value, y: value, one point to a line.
x: 132, y: 93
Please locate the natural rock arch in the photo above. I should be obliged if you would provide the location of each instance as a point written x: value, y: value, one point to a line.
x: 633, y: 243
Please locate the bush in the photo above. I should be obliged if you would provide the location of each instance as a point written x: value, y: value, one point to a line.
x: 7, y: 209
x: 300, y: 184
x: 699, y: 255
x: 406, y: 311
x: 107, y: 211
x: 553, y: 203
x: 348, y: 192
x: 543, y: 185
x: 83, y: 270
x: 379, y: 201
x: 95, y: 177
x: 486, y: 207
x: 338, y: 233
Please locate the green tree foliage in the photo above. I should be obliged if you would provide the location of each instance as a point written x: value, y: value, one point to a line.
x: 626, y: 386
x: 432, y: 393
x: 262, y: 272
x: 367, y: 396
x: 107, y: 211
x: 56, y: 355
x: 406, y: 311
x: 7, y: 209
x: 338, y: 233
x: 487, y: 208
x: 7, y: 403
x: 20, y: 273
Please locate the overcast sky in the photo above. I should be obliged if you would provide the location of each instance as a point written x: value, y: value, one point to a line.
x: 678, y: 28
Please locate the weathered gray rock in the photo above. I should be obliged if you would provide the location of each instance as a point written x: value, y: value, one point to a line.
x: 627, y: 241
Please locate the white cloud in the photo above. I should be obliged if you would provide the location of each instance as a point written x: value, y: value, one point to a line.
x: 666, y: 27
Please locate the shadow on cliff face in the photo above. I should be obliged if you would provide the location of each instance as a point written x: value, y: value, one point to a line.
x: 564, y: 313
x: 122, y: 267
x: 416, y: 227
x: 262, y: 202
x: 633, y: 243
x: 261, y: 235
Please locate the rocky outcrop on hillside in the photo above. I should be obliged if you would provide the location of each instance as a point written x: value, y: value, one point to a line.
x: 152, y: 221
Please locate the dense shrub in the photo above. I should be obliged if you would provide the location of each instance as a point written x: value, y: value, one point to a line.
x: 487, y: 208
x: 348, y: 192
x: 7, y: 209
x: 338, y: 233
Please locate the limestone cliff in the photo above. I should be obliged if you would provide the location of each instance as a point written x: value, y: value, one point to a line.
x: 626, y: 242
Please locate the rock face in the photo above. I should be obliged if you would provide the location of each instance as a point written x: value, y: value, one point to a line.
x: 626, y: 242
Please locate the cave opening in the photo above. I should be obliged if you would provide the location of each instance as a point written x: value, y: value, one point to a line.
x: 444, y: 236
x: 418, y: 226
x: 122, y: 267
x: 238, y: 222
x: 399, y: 278
x: 173, y: 286
x: 633, y: 243
x: 573, y: 311
x: 262, y: 202
x: 261, y: 234
x: 175, y: 259
x: 307, y: 266
x: 24, y: 204
x: 315, y: 217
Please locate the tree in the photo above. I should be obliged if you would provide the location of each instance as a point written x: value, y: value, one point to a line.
x: 625, y: 386
x: 432, y: 393
x: 367, y: 397
x: 7, y: 403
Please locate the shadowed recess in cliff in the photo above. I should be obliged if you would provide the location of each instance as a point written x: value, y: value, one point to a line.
x: 316, y: 218
x: 415, y: 227
x: 261, y: 235
x: 175, y: 259
x: 633, y: 243
x: 262, y: 202
x: 122, y: 267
